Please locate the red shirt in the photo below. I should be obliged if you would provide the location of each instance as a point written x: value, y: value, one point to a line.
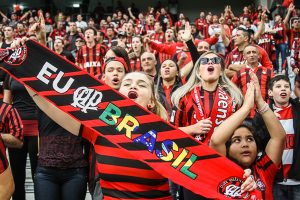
x: 10, y: 123
x: 124, y: 177
x: 280, y: 33
x: 264, y: 171
x: 91, y: 59
x: 295, y: 54
x: 286, y: 120
x: 202, y: 27
x: 264, y: 75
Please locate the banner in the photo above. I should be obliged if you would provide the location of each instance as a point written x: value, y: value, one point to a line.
x: 105, y: 112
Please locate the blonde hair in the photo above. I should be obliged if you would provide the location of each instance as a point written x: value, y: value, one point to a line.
x: 195, y: 80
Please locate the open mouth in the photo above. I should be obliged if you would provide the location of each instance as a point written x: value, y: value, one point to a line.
x: 210, y: 69
x: 283, y: 95
x: 115, y: 80
x: 132, y: 95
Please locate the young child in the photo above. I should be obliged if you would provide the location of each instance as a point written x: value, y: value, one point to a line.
x: 287, y: 110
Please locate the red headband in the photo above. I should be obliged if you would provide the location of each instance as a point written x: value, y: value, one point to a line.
x: 119, y: 59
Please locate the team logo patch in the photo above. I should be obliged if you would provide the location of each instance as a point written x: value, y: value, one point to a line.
x: 232, y: 188
x: 17, y: 57
x: 86, y: 99
x: 260, y: 185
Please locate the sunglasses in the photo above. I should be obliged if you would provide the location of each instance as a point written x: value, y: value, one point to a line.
x: 214, y: 60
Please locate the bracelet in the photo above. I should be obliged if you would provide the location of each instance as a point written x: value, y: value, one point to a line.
x: 34, y: 95
x: 263, y: 109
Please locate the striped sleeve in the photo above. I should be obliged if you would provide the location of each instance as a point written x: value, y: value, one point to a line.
x: 14, y: 123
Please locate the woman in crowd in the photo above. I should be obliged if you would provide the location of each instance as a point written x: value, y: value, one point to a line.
x: 169, y: 80
x: 16, y: 94
x: 140, y: 88
x: 238, y: 141
x: 135, y: 54
x: 197, y: 102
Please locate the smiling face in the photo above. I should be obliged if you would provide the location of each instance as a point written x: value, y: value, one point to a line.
x: 243, y: 147
x: 168, y: 70
x: 281, y: 92
x: 138, y: 87
x: 114, y: 73
x: 210, y: 68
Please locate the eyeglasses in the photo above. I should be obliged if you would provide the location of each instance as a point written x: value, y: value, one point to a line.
x: 78, y: 41
x: 214, y: 60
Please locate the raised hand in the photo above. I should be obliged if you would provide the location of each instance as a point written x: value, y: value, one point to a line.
x: 249, y: 96
x: 187, y: 35
x: 258, y: 98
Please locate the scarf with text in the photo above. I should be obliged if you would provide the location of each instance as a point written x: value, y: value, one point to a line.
x: 104, y: 112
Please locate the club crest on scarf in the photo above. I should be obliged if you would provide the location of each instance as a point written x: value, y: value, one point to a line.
x: 17, y: 57
x: 86, y: 99
x: 232, y: 188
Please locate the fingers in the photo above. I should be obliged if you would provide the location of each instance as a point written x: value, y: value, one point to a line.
x: 249, y: 185
x: 247, y: 173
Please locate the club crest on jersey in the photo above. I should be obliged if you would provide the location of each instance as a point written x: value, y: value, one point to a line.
x: 232, y: 188
x: 17, y: 57
x: 86, y: 99
x: 260, y: 185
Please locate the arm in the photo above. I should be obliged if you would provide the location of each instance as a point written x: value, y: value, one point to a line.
x: 261, y: 27
x: 25, y: 15
x: 130, y: 14
x: 7, y: 186
x: 275, y: 146
x: 226, y: 129
x: 225, y: 39
x: 11, y: 141
x: 7, y: 98
x: 163, y: 48
x: 286, y: 19
x: 186, y: 71
x: 60, y: 117
x: 233, y: 68
x: 3, y: 15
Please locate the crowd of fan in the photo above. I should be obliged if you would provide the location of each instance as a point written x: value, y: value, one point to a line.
x: 144, y: 41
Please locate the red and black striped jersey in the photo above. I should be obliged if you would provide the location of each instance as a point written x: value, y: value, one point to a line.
x: 124, y: 177
x: 295, y: 54
x: 11, y: 122
x: 158, y: 37
x: 91, y: 59
x: 280, y: 35
x: 136, y: 65
x: 267, y: 42
x: 58, y: 33
x: 264, y: 171
x: 264, y: 75
x: 234, y: 57
x: 186, y: 108
x: 3, y: 158
x: 294, y: 35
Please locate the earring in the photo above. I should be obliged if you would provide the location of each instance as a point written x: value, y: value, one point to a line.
x: 150, y: 106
